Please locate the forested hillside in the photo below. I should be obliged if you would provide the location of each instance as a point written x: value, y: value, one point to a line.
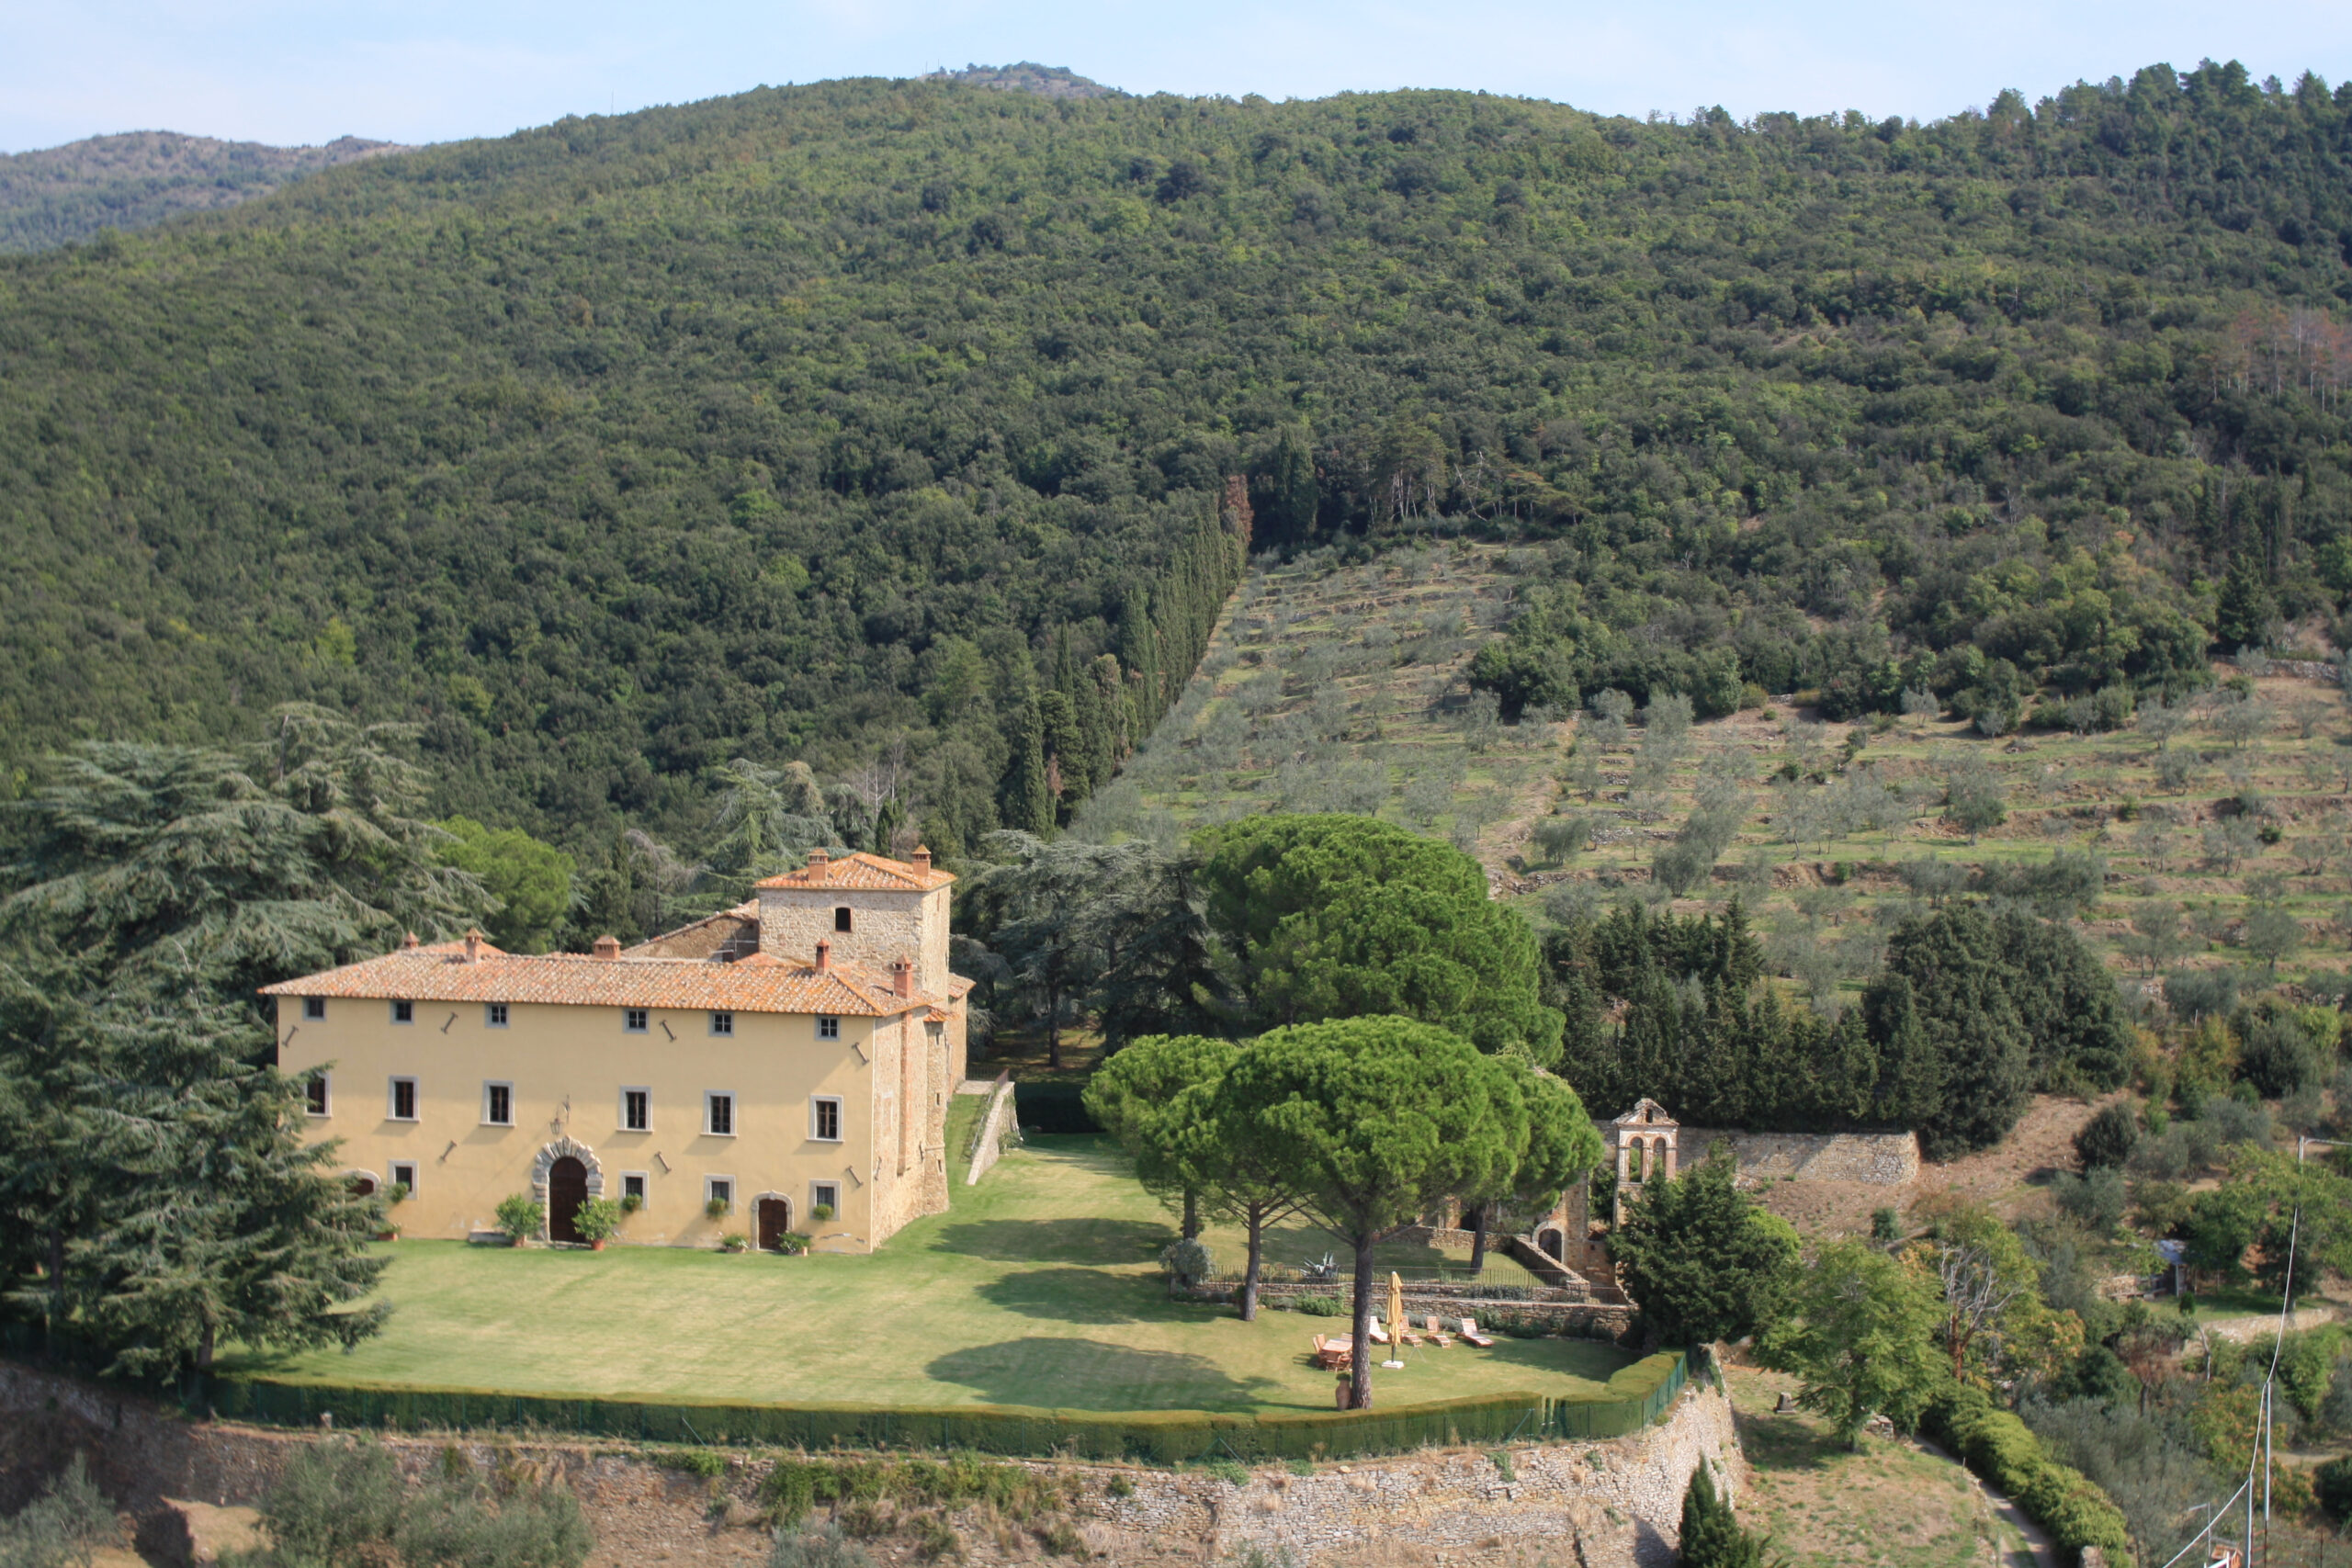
x: 59, y: 195
x: 804, y: 423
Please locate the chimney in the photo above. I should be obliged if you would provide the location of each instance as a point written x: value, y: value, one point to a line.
x: 408, y: 942
x: 819, y: 861
x: 824, y: 956
x: 923, y: 857
x: 608, y: 946
x: 473, y: 946
x: 902, y: 978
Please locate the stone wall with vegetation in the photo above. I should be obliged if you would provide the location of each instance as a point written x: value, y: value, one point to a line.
x: 1887, y: 1159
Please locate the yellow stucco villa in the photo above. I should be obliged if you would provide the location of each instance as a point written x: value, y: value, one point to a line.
x: 790, y: 1054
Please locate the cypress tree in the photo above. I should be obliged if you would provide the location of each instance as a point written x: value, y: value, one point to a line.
x: 1027, y: 801
x: 1711, y: 1534
x: 1140, y: 650
x: 1111, y: 706
x: 1290, y: 509
x: 1910, y: 1087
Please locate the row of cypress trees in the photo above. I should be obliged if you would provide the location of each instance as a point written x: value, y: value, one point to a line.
x: 1976, y: 1009
x: 1070, y: 739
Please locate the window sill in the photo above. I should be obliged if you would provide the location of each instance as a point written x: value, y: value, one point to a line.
x: 708, y: 1133
x: 405, y: 1120
x: 502, y: 1126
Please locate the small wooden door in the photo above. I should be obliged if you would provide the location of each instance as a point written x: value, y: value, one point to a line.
x: 566, y: 1189
x: 774, y: 1218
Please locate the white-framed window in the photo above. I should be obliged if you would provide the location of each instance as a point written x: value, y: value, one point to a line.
x: 637, y: 1111
x: 317, y: 1096
x: 718, y: 1190
x: 828, y: 1029
x: 403, y: 1012
x: 722, y: 1024
x: 827, y: 1194
x: 495, y: 1015
x: 719, y: 1114
x: 404, y: 1175
x: 314, y: 1008
x: 825, y: 1118
x: 498, y: 1104
x: 403, y: 1100
x: 633, y: 1185
x: 635, y: 1020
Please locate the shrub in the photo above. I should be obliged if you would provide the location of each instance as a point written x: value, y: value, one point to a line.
x: 717, y: 1208
x: 2108, y: 1138
x: 1886, y: 1224
x: 792, y: 1243
x: 704, y: 1462
x: 1319, y: 1306
x: 827, y: 1548
x: 1189, y: 1260
x: 397, y: 1193
x: 2334, y: 1479
x: 520, y: 1217
x: 66, y: 1524
x: 632, y: 1202
x: 2000, y: 1447
x: 819, y: 1214
x: 2095, y: 1199
x: 599, y: 1219
x: 734, y: 1241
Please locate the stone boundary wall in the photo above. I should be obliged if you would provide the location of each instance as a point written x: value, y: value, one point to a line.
x: 1613, y: 1504
x: 1576, y: 1318
x: 994, y: 1121
x: 1882, y: 1159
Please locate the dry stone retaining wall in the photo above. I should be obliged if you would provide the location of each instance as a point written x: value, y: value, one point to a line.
x: 1605, y: 1504
x: 994, y: 1122
x: 1885, y: 1159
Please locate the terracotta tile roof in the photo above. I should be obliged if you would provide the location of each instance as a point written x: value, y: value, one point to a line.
x: 863, y: 870
x: 727, y: 934
x: 760, y: 983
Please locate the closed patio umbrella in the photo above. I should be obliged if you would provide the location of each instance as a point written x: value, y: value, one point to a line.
x: 1396, y: 1321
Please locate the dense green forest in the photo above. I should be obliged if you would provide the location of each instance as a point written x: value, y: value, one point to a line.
x: 890, y: 425
x: 59, y: 195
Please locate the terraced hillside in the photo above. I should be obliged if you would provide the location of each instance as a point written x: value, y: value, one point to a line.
x: 2210, y: 837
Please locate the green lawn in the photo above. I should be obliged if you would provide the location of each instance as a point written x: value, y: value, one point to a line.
x: 1038, y: 1288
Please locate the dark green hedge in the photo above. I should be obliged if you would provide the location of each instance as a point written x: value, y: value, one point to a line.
x: 1053, y: 1108
x: 2002, y: 1448
x: 1635, y: 1396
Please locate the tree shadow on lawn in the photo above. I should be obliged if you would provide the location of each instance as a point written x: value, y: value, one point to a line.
x: 1094, y: 1295
x: 1091, y: 1374
x: 1046, y: 1241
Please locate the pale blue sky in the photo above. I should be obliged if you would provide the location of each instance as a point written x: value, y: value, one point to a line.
x: 434, y: 70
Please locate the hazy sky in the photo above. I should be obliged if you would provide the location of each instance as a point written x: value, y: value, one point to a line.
x: 432, y: 70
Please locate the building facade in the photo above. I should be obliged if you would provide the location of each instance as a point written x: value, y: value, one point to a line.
x: 745, y: 1073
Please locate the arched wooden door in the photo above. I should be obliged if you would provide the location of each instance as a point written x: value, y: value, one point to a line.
x: 363, y: 1187
x: 1553, y: 1243
x: 775, y: 1215
x: 566, y: 1189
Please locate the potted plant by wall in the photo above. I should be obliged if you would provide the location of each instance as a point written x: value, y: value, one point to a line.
x: 733, y: 1241
x: 395, y: 1196
x: 520, y: 1218
x: 598, y: 1221
x: 792, y: 1244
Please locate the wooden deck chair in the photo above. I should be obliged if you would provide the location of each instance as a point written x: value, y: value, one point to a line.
x: 1377, y: 1335
x: 1407, y: 1335
x: 1470, y: 1332
x: 1438, y: 1336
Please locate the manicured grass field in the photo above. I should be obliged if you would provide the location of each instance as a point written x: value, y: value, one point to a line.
x: 1039, y: 1286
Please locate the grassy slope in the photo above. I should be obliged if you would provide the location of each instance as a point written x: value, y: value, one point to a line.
x: 1895, y: 1504
x: 1038, y: 1288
